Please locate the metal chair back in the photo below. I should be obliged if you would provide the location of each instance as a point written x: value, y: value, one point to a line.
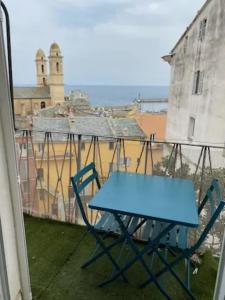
x: 79, y: 185
x: 214, y: 198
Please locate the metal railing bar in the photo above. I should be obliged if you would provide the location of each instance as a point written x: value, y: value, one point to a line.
x: 124, y: 155
x: 127, y: 138
x: 146, y: 157
x: 170, y: 158
x: 151, y: 155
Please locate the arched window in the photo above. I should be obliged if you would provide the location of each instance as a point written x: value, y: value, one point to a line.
x: 44, y: 81
x: 42, y: 69
x: 57, y: 67
x: 43, y: 105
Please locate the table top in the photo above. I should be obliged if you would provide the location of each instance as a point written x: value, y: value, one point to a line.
x: 154, y: 197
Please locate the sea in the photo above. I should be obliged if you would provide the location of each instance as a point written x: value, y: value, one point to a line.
x: 105, y: 95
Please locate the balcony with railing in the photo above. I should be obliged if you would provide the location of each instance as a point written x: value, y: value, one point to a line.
x: 46, y: 162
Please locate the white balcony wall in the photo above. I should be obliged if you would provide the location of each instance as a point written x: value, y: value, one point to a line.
x: 8, y: 231
x: 13, y: 237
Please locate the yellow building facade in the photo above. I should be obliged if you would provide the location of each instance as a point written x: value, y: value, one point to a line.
x: 56, y: 162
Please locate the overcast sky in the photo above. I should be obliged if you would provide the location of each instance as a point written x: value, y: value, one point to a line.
x: 102, y: 41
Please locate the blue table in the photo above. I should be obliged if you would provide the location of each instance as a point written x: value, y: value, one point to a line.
x: 148, y: 197
x: 155, y: 197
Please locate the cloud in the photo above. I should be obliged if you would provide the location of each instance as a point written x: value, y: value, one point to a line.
x: 103, y: 41
x: 90, y: 3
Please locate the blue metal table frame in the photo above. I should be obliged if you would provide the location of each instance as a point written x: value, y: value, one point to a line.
x: 147, y: 197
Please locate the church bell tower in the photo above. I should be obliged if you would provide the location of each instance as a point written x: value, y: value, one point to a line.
x: 56, y: 81
x: 41, y: 68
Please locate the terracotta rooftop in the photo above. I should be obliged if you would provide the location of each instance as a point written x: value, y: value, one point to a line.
x: 153, y: 123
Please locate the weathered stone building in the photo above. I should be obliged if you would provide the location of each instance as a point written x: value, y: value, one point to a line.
x: 197, y: 91
x: 50, y: 87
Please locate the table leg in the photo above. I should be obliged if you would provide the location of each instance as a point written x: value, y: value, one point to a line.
x: 139, y: 255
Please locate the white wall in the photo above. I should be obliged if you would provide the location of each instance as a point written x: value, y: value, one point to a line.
x: 10, y: 200
x: 6, y: 215
x: 208, y: 55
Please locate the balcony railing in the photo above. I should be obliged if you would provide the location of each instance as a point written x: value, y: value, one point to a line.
x: 47, y: 160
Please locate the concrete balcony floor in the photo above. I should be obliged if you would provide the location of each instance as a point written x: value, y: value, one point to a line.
x: 56, y: 252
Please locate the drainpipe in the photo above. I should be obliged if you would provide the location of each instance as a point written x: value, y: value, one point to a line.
x: 8, y: 134
x: 220, y: 282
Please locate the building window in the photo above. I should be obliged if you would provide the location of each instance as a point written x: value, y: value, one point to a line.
x: 198, y: 83
x: 41, y: 194
x: 22, y: 109
x: 70, y: 192
x: 126, y: 161
x: 55, y: 209
x: 57, y: 67
x: 25, y: 187
x: 191, y: 128
x: 43, y: 105
x: 112, y: 167
x: 40, y: 147
x: 42, y: 69
x: 111, y: 145
x: 44, y: 81
x: 185, y: 43
x: 40, y: 173
x: 202, y: 30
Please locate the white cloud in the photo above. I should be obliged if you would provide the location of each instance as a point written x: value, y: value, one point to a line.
x: 89, y: 3
x: 103, y: 41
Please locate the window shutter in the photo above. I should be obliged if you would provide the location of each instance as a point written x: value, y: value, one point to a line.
x: 194, y: 83
x: 191, y: 128
x: 40, y: 174
x: 200, y: 30
x: 201, y: 80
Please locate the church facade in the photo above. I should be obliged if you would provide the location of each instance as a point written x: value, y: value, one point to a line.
x: 50, y: 84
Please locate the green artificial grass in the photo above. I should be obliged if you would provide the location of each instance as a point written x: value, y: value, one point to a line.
x: 56, y: 251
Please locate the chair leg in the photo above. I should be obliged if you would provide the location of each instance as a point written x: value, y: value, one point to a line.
x: 162, y: 280
x: 104, y: 237
x: 172, y: 252
x: 168, y: 267
x: 116, y: 266
x: 119, y: 257
x: 105, y: 251
x: 94, y: 254
x: 188, y: 269
x: 98, y: 255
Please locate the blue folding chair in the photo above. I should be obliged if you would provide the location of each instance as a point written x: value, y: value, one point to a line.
x: 177, y: 238
x: 106, y: 224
